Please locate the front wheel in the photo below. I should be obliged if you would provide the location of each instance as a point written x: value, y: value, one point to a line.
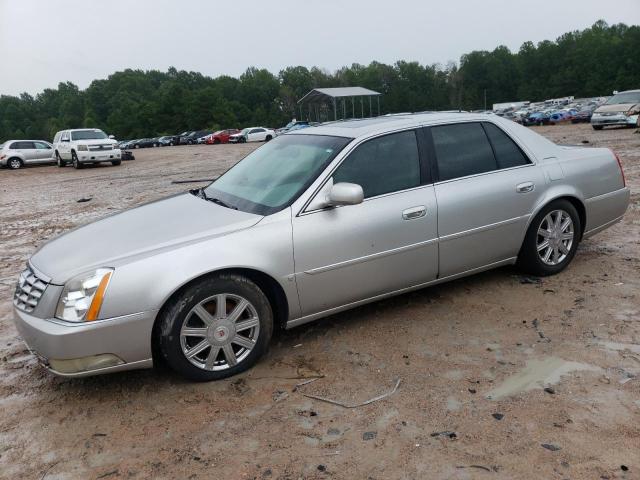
x: 597, y: 127
x: 552, y: 239
x: 216, y: 328
x: 14, y: 163
x: 61, y: 163
x: 115, y: 163
x: 268, y: 137
x: 74, y: 160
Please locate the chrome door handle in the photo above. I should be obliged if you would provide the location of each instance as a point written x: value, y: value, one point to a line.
x: 414, y: 212
x: 525, y: 187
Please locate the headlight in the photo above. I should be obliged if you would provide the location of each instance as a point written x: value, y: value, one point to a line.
x: 82, y: 296
x: 82, y: 148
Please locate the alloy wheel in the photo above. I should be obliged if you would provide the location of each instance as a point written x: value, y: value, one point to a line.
x: 220, y: 332
x: 15, y: 163
x: 555, y: 237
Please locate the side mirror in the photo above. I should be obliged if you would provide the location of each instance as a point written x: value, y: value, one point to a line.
x: 64, y: 140
x: 112, y: 137
x: 345, y: 194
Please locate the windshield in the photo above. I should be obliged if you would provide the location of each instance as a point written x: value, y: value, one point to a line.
x: 271, y: 177
x: 244, y: 131
x: 628, y: 97
x: 88, y: 135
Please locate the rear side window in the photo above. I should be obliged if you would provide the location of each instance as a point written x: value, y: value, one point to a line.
x: 462, y: 149
x: 22, y: 146
x: 383, y: 165
x: 508, y: 154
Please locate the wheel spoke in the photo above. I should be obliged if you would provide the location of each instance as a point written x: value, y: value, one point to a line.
x: 203, y: 315
x: 563, y: 248
x: 238, y: 309
x: 547, y: 254
x: 544, y: 233
x: 194, y: 332
x: 221, y: 306
x: 246, y: 324
x: 243, y: 341
x: 543, y: 245
x: 566, y: 236
x: 556, y: 255
x: 229, y: 355
x: 198, y: 348
x: 566, y: 224
x: 558, y: 221
x: 211, y: 358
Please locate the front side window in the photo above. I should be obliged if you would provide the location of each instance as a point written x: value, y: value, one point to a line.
x: 93, y: 134
x: 271, y: 177
x: 383, y: 165
x: 462, y: 149
x: 42, y: 146
x: 65, y: 137
x: 508, y: 154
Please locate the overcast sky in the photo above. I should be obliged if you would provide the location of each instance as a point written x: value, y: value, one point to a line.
x: 43, y: 42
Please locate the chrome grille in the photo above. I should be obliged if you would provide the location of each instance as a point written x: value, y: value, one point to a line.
x: 28, y: 291
x: 99, y: 148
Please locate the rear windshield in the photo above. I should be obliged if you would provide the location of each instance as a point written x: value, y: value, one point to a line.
x: 628, y: 97
x: 88, y: 135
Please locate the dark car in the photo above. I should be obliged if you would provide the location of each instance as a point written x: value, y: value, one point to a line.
x: 584, y: 115
x: 145, y: 143
x: 169, y: 140
x: 190, y: 138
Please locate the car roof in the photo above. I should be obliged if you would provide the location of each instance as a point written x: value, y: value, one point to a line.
x: 356, y: 128
x: 24, y: 140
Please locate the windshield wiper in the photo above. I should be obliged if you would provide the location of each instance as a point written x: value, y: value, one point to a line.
x: 202, y: 194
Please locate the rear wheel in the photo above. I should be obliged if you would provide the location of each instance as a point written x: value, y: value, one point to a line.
x: 216, y: 141
x: 216, y: 328
x: 115, y: 163
x: 597, y: 127
x: 14, y: 163
x: 269, y: 137
x: 552, y: 239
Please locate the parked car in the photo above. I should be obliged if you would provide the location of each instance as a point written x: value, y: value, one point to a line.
x: 621, y: 109
x: 146, y: 143
x: 536, y: 118
x: 84, y: 146
x: 289, y: 126
x: 253, y: 134
x: 189, y: 138
x: 168, y: 140
x: 15, y: 154
x: 371, y: 208
x: 221, y: 136
x: 127, y: 155
x: 583, y: 116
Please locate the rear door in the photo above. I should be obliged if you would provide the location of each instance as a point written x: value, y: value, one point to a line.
x: 44, y: 152
x: 27, y: 149
x: 386, y: 243
x: 486, y: 190
x: 64, y: 148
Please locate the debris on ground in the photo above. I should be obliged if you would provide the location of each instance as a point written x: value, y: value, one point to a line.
x: 446, y: 433
x: 550, y: 447
x: 497, y: 416
x: 480, y: 467
x: 85, y: 199
x: 195, y: 180
x: 369, y: 435
x: 527, y: 280
x: 345, y: 405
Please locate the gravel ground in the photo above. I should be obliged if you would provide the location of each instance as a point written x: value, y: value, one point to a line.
x: 451, y: 346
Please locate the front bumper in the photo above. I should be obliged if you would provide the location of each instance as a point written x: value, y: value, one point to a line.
x: 617, y: 119
x: 83, y: 348
x: 99, y: 156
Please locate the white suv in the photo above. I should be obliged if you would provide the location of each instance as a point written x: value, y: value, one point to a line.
x: 83, y: 146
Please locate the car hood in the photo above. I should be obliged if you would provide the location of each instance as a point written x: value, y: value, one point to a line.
x: 98, y: 141
x: 137, y: 233
x: 621, y: 107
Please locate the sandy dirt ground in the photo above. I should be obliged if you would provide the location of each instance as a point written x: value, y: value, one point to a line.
x: 452, y: 347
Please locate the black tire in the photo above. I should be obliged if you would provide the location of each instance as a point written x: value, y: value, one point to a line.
x: 59, y: 161
x: 216, y: 141
x: 172, y: 318
x: 242, y: 140
x: 136, y: 146
x: 269, y: 137
x: 15, y: 163
x: 115, y: 163
x: 190, y: 142
x: 75, y: 162
x: 597, y: 127
x: 529, y: 259
x: 171, y: 144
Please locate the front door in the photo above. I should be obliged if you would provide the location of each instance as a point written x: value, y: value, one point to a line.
x: 386, y: 243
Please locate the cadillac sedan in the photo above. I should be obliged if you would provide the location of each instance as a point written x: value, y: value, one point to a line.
x: 312, y: 223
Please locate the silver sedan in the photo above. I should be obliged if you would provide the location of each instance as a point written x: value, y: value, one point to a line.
x: 312, y: 223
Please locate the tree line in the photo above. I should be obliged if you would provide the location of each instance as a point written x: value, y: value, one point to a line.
x: 136, y: 103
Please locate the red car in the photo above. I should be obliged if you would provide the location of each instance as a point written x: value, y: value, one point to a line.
x: 221, y: 136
